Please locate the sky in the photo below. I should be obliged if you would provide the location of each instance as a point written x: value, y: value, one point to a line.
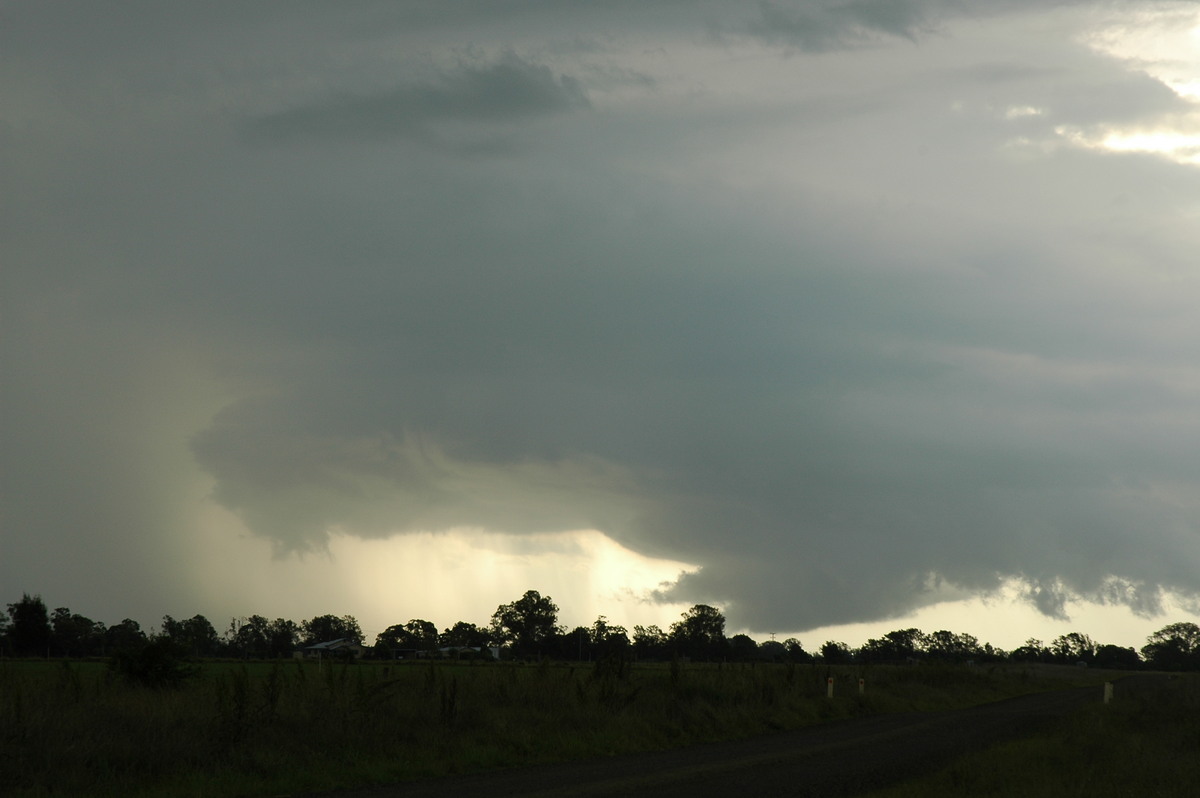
x: 841, y: 315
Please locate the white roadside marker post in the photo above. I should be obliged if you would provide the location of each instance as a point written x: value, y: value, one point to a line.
x: 1107, y: 692
x: 829, y: 687
x: 862, y: 686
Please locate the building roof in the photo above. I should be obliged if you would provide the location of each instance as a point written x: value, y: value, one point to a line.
x: 334, y: 645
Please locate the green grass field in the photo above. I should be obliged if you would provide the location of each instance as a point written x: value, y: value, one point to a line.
x: 76, y: 728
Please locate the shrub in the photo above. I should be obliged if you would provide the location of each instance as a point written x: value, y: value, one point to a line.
x: 159, y: 663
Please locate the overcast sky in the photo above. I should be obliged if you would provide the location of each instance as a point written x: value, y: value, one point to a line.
x: 825, y: 312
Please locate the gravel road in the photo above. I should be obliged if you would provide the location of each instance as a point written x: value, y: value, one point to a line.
x: 836, y: 759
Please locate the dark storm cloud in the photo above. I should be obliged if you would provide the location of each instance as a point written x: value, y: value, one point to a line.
x: 509, y: 90
x: 848, y: 339
x: 830, y: 25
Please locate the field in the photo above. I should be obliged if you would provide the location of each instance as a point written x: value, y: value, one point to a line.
x: 77, y: 728
x: 1143, y: 745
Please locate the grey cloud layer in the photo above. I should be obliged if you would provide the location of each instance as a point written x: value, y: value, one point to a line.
x: 820, y: 337
x: 507, y: 91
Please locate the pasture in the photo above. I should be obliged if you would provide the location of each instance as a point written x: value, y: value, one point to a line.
x: 273, y: 728
x: 1145, y: 744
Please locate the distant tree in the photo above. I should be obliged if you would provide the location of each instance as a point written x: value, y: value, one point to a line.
x: 1175, y: 647
x: 29, y: 628
x: 464, y: 634
x: 424, y: 633
x: 897, y: 645
x: 699, y: 633
x: 249, y: 637
x: 416, y: 635
x: 649, y: 643
x: 574, y: 644
x: 282, y: 637
x: 392, y: 640
x: 126, y: 635
x: 742, y: 648
x: 772, y: 651
x: 795, y: 651
x: 324, y: 628
x: 527, y: 624
x: 608, y: 640
x: 833, y: 653
x: 1117, y: 658
x: 73, y: 635
x: 156, y: 662
x: 1073, y: 647
x: 195, y: 637
x: 1032, y: 651
x: 950, y: 646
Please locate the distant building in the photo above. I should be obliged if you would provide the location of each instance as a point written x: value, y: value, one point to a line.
x: 343, y: 647
x: 468, y: 652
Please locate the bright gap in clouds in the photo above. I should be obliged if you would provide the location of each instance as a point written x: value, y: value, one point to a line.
x: 1164, y: 44
x: 464, y: 574
x: 458, y: 575
x: 1007, y: 619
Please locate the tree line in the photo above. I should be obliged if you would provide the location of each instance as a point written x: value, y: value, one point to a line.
x: 528, y: 628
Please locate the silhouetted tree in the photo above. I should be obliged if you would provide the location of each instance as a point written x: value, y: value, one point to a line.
x: 29, y: 628
x: 574, y: 644
x: 195, y: 636
x: 416, y: 635
x: 1175, y: 647
x: 950, y: 646
x: 393, y: 640
x: 743, y: 648
x: 898, y: 645
x: 73, y: 635
x: 1032, y: 651
x: 157, y: 662
x: 1117, y: 658
x: 834, y: 653
x: 126, y: 635
x: 1073, y: 647
x: 424, y: 633
x: 527, y: 624
x: 795, y: 651
x: 464, y: 634
x: 608, y: 640
x: 649, y: 643
x: 282, y: 637
x: 699, y: 633
x: 324, y: 628
x: 249, y: 637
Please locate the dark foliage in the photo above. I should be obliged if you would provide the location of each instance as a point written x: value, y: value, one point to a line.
x: 700, y: 634
x: 29, y: 629
x: 529, y: 624
x: 158, y: 662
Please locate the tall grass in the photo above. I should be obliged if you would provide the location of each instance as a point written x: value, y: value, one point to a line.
x: 1142, y: 745
x: 76, y: 729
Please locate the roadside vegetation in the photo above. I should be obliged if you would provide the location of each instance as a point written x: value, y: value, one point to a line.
x: 273, y: 707
x: 1142, y: 745
x: 260, y: 728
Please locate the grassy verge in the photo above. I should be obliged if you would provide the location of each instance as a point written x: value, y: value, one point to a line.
x: 275, y: 728
x: 1143, y: 746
